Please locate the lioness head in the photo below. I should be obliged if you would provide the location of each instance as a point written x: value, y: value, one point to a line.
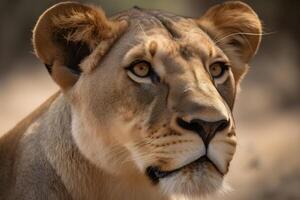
x: 151, y: 92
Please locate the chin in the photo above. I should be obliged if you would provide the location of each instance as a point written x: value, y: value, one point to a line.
x: 193, y: 182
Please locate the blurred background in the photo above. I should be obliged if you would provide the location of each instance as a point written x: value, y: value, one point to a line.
x: 267, y: 162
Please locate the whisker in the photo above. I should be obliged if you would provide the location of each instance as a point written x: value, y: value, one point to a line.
x: 142, y: 30
x: 243, y: 33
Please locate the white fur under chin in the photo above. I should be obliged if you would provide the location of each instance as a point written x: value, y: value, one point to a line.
x: 195, y: 185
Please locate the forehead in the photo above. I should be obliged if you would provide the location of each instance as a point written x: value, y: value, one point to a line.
x: 172, y: 32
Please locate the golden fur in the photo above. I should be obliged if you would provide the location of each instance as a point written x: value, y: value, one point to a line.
x: 111, y: 134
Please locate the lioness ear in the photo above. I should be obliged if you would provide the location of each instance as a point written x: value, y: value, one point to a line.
x: 236, y: 29
x: 67, y: 33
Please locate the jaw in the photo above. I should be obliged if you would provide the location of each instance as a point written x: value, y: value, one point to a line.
x: 106, y: 153
x: 193, y: 182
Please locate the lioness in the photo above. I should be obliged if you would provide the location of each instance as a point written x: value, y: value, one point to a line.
x: 145, y: 106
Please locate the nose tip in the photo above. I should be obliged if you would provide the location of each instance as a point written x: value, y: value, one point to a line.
x: 206, y: 130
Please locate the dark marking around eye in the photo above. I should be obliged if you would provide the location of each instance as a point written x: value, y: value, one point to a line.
x: 154, y: 77
x: 228, y: 92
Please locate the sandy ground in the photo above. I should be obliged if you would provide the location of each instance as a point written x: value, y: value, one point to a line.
x: 267, y: 162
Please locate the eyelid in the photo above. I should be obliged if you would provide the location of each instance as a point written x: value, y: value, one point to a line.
x: 220, y: 60
x: 222, y: 79
x: 137, y: 79
x: 134, y: 53
x: 137, y: 61
x: 130, y: 63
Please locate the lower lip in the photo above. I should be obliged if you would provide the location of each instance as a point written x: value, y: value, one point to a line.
x: 155, y: 174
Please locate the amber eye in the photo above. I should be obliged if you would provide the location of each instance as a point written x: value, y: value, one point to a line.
x: 141, y: 69
x: 218, y: 69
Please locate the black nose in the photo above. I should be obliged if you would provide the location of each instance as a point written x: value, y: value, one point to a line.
x: 206, y: 130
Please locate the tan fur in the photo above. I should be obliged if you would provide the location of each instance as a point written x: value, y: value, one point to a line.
x: 86, y: 25
x: 236, y: 28
x: 109, y: 132
x: 9, y: 146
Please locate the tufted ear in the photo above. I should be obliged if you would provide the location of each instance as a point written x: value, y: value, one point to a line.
x: 236, y: 29
x: 67, y: 33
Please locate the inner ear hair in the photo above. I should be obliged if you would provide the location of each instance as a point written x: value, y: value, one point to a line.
x: 74, y: 52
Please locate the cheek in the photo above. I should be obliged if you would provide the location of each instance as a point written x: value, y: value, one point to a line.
x: 227, y: 91
x: 97, y: 98
x: 118, y: 103
x: 156, y: 105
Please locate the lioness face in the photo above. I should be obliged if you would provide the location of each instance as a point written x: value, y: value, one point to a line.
x: 158, y: 106
x: 162, y: 100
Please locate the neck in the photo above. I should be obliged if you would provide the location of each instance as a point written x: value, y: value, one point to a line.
x: 81, y: 178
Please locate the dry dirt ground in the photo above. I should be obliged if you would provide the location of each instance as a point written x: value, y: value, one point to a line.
x: 267, y: 162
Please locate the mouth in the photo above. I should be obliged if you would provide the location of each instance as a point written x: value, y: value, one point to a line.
x: 155, y: 174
